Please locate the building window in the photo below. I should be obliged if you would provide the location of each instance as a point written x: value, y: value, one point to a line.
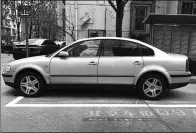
x: 188, y: 8
x: 96, y: 33
x: 140, y: 14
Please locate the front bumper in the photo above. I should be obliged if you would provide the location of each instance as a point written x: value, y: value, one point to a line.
x: 8, y: 78
x: 10, y: 84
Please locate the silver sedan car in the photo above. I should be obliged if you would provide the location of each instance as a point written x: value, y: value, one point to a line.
x: 101, y: 60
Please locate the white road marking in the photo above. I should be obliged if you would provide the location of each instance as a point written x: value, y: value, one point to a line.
x: 14, y: 104
x: 14, y: 101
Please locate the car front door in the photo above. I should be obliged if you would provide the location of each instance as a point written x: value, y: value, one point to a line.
x: 119, y: 62
x: 79, y: 67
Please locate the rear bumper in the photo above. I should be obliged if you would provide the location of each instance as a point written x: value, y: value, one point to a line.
x: 178, y: 85
x: 180, y: 80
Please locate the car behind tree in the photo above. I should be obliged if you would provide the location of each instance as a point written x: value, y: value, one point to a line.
x: 35, y: 46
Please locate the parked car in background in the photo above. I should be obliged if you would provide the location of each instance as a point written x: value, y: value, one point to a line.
x: 6, y: 47
x: 36, y: 47
x: 101, y: 60
x: 60, y: 43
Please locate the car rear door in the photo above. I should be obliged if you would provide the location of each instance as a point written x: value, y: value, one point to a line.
x: 119, y: 62
x: 81, y: 65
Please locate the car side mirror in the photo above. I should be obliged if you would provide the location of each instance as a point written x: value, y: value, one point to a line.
x: 63, y: 54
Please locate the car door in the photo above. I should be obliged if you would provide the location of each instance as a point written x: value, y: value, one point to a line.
x: 79, y: 67
x: 119, y: 62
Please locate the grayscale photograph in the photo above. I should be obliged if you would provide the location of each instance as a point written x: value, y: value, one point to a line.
x: 98, y: 66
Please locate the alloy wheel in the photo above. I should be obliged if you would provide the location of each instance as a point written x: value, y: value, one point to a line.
x: 29, y: 85
x: 152, y: 87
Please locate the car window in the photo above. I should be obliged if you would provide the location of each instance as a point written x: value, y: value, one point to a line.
x: 49, y: 43
x: 85, y: 49
x: 120, y: 48
x: 146, y: 51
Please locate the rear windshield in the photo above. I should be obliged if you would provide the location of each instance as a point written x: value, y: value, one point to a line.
x: 30, y: 41
x: 49, y: 42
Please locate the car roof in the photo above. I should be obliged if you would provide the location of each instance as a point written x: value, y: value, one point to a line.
x: 115, y: 38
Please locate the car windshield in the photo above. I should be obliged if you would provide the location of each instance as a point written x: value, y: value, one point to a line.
x: 29, y: 41
x: 32, y: 41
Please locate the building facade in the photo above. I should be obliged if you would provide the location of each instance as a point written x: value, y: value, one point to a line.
x: 172, y: 36
x: 92, y: 18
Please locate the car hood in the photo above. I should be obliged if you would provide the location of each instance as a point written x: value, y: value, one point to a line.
x: 30, y: 60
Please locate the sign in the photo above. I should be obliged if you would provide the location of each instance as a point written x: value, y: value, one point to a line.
x: 24, y: 11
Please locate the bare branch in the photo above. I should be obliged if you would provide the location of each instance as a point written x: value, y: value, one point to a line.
x: 112, y: 4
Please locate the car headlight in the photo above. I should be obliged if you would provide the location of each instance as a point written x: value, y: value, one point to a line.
x: 7, y: 68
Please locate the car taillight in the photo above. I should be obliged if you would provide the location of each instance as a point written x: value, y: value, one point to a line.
x: 187, y: 65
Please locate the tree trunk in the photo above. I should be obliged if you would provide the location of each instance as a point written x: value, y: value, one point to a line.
x: 119, y: 19
x: 30, y: 29
x: 18, y: 30
x: 118, y: 25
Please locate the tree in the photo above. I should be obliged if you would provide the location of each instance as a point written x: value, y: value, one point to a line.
x: 5, y: 14
x: 5, y: 9
x: 14, y: 7
x: 67, y: 25
x: 119, y: 9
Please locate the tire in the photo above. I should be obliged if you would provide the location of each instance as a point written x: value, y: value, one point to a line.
x: 33, y: 81
x: 152, y: 86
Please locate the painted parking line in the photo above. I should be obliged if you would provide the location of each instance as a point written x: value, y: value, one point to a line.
x: 15, y: 101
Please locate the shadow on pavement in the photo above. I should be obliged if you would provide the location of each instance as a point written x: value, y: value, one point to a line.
x: 110, y: 92
x: 93, y: 92
x: 177, y: 95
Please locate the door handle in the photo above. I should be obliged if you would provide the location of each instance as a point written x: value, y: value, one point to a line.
x: 92, y: 63
x: 137, y: 63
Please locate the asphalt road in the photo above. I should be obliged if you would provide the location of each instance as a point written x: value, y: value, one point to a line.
x: 97, y: 109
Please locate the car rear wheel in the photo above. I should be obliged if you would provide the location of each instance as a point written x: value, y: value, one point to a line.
x: 152, y: 86
x: 30, y: 84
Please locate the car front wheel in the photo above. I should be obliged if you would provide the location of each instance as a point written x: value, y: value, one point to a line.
x: 30, y: 84
x: 152, y: 86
